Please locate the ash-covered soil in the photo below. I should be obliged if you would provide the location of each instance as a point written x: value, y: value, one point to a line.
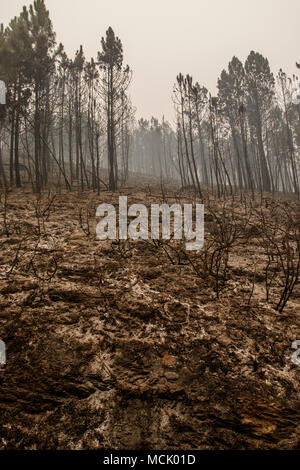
x: 126, y: 345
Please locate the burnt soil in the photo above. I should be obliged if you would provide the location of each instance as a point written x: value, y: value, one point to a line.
x: 123, y: 345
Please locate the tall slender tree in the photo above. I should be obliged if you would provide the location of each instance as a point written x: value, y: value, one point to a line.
x: 115, y: 81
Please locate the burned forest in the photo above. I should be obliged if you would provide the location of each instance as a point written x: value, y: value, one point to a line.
x: 149, y: 266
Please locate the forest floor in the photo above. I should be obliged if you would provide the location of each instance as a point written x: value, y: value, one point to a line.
x: 127, y: 346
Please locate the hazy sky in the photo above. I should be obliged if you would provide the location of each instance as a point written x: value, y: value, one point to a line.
x: 164, y: 37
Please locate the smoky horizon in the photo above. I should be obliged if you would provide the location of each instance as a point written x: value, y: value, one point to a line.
x: 161, y: 40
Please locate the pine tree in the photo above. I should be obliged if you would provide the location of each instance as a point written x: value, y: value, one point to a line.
x: 232, y: 96
x: 260, y: 91
x: 42, y: 67
x: 115, y: 81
